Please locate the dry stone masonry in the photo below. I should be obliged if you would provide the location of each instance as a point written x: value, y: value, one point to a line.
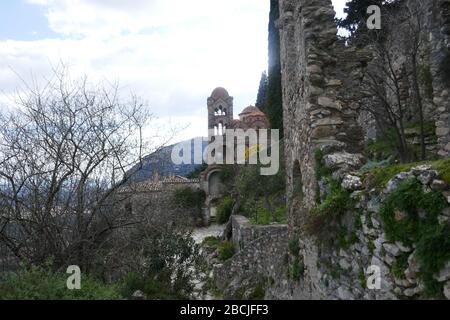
x: 321, y: 79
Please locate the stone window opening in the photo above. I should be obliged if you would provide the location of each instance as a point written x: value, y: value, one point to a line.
x: 221, y: 111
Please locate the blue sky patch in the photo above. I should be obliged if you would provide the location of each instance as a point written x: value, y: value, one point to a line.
x: 20, y: 20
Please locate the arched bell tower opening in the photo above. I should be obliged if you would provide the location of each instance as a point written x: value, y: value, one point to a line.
x: 220, y: 112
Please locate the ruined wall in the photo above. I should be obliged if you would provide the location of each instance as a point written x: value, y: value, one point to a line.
x: 321, y: 80
x: 320, y: 109
x: 260, y: 249
x: 439, y: 23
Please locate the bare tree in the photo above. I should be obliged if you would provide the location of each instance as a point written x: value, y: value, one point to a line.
x: 383, y: 85
x: 64, y: 151
x: 413, y: 44
x: 394, y: 73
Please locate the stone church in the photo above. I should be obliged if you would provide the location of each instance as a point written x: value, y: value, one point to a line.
x: 221, y: 118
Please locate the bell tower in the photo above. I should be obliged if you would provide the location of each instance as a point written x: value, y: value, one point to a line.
x: 220, y: 112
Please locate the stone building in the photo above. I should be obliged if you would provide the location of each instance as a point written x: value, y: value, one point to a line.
x: 221, y: 118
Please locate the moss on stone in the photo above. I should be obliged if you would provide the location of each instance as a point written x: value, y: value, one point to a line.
x: 326, y: 216
x: 419, y: 226
x: 379, y: 177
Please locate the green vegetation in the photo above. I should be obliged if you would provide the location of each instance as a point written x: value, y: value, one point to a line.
x: 262, y: 198
x: 417, y: 224
x: 385, y: 148
x: 380, y: 176
x: 262, y: 216
x: 321, y: 171
x: 262, y: 91
x: 41, y: 283
x: 324, y: 217
x: 297, y: 269
x: 227, y: 173
x: 152, y: 287
x: 196, y: 173
x: 226, y: 250
x: 211, y: 242
x: 273, y: 105
x: 346, y: 239
x: 400, y: 265
x: 189, y: 198
x: 294, y: 247
x: 224, y: 210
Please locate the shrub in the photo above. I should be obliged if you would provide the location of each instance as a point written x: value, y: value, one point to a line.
x: 325, y: 216
x: 226, y: 250
x: 224, y: 210
x: 294, y: 246
x: 189, y: 198
x: 37, y: 283
x: 153, y: 288
x: 432, y: 240
x: 297, y: 269
x: 262, y: 216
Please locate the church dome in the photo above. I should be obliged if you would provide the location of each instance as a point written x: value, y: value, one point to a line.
x: 250, y: 111
x: 220, y: 93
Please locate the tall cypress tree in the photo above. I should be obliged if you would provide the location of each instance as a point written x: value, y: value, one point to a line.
x: 262, y: 92
x: 273, y: 105
x: 357, y: 16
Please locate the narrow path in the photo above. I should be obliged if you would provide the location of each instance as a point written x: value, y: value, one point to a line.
x: 199, y: 235
x: 213, y: 230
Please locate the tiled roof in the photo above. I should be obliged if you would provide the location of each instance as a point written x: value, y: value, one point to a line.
x: 155, y: 186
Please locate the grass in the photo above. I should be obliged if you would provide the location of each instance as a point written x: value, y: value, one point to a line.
x: 226, y: 250
x: 38, y: 283
x: 211, y: 243
x: 327, y: 214
x: 400, y: 265
x: 379, y: 177
x: 263, y: 217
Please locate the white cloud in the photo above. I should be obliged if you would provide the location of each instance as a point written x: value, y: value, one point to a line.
x: 171, y: 53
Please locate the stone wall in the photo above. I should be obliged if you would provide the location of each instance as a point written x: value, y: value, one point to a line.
x: 342, y: 272
x: 321, y: 78
x: 260, y: 249
x: 320, y: 107
x: 439, y: 22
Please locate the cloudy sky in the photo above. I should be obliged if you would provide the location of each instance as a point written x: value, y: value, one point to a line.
x: 172, y: 53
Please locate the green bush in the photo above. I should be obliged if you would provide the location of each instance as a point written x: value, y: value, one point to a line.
x: 226, y: 250
x: 37, y: 283
x: 420, y: 226
x: 294, y: 247
x: 325, y: 216
x: 224, y: 209
x: 189, y: 198
x: 262, y: 216
x: 150, y: 285
x: 297, y: 269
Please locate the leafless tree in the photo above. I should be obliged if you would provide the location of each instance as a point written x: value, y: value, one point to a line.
x: 64, y: 151
x: 395, y: 66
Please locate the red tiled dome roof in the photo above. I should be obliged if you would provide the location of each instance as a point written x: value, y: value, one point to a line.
x: 251, y: 110
x: 220, y: 93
